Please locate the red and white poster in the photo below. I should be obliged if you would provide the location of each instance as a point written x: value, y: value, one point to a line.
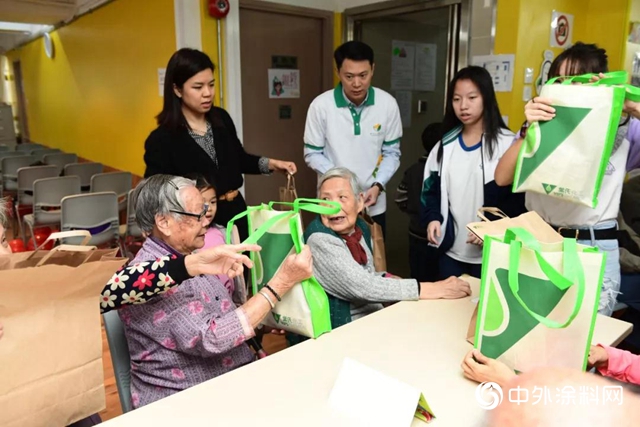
x: 561, y: 30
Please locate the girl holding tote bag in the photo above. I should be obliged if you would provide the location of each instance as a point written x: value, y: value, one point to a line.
x: 595, y: 226
x: 458, y: 175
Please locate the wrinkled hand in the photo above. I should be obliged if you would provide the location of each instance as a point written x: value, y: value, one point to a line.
x: 451, y: 288
x: 539, y: 109
x: 296, y: 268
x: 283, y: 166
x: 484, y: 369
x: 434, y: 232
x: 598, y: 356
x: 632, y: 108
x: 472, y: 239
x: 371, y: 196
x: 224, y: 259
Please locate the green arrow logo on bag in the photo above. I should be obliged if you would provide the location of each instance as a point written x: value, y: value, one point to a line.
x: 276, y: 316
x: 552, y: 134
x: 541, y: 295
x: 548, y: 188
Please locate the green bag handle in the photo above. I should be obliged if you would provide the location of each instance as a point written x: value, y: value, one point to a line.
x: 572, y: 271
x: 619, y: 78
x: 317, y: 206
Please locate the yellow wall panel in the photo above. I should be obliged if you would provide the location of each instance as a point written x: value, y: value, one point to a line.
x: 210, y: 42
x: 99, y: 95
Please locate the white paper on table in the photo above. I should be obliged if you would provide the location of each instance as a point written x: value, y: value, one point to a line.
x: 501, y: 69
x: 425, y: 79
x: 371, y: 398
x: 403, y: 98
x: 402, y: 65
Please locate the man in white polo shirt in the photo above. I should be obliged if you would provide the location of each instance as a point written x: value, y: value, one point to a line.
x: 356, y: 126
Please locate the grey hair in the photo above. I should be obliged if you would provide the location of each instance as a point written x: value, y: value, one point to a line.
x: 158, y: 195
x: 3, y: 212
x: 341, y: 173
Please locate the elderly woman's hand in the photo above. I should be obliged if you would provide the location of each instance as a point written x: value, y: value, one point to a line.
x: 295, y: 269
x: 224, y: 259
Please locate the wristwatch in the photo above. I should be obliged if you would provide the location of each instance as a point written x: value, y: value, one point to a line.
x: 380, y: 186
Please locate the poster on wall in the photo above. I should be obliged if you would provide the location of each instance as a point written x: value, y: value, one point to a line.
x: 561, y: 29
x: 425, y: 78
x: 402, y: 65
x: 500, y: 67
x: 284, y: 83
x: 403, y: 98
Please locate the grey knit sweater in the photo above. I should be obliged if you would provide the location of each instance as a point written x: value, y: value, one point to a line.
x: 341, y: 276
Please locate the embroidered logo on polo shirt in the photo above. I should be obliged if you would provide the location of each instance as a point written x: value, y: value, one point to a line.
x: 377, y: 127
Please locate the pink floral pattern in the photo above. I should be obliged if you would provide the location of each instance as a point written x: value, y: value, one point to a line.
x: 145, y: 356
x: 225, y: 305
x: 193, y: 341
x: 177, y: 373
x: 205, y: 297
x: 195, y: 307
x: 159, y: 316
x: 239, y: 341
x: 135, y: 399
x: 169, y: 343
x: 213, y: 326
x: 227, y: 362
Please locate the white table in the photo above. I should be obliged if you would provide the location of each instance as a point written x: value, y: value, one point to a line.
x: 421, y: 343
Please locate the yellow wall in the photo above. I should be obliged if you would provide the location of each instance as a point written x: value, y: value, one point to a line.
x: 99, y: 95
x: 523, y: 28
x: 210, y: 42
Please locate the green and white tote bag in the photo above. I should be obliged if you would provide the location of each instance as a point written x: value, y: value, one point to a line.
x: 566, y: 157
x: 304, y: 309
x: 538, y: 302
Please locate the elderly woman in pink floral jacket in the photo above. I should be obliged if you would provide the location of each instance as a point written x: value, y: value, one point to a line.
x: 193, y: 332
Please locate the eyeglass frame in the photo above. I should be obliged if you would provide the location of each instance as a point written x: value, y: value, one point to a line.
x: 193, y: 215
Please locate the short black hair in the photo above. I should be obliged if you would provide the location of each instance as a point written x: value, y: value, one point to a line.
x: 202, y: 183
x: 581, y: 58
x: 431, y: 135
x: 353, y: 50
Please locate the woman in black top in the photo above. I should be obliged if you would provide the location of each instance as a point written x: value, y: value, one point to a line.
x: 193, y: 136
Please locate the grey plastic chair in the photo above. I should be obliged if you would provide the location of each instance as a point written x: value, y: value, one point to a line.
x: 10, y: 166
x: 95, y: 212
x: 120, y: 357
x: 27, y: 176
x: 4, y: 148
x: 27, y: 147
x: 85, y: 171
x: 41, y: 153
x: 118, y: 182
x: 47, y: 196
x: 60, y: 160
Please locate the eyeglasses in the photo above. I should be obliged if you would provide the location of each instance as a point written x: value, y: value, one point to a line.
x: 205, y: 209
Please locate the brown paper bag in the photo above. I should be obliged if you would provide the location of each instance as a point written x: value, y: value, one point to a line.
x: 51, y: 352
x: 377, y: 241
x: 288, y: 194
x: 530, y: 221
x: 471, y: 331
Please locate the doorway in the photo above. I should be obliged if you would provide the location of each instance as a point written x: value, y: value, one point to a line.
x: 299, y: 42
x: 22, y: 105
x: 418, y: 48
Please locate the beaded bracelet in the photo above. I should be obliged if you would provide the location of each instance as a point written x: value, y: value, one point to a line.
x: 275, y: 294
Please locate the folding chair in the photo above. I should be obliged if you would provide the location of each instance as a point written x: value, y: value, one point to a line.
x: 120, y: 357
x: 130, y: 232
x: 118, y: 182
x: 85, y: 171
x: 9, y: 168
x: 95, y: 212
x: 60, y: 160
x: 47, y: 196
x: 26, y: 177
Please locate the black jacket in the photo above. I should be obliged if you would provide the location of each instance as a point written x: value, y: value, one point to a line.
x: 174, y: 152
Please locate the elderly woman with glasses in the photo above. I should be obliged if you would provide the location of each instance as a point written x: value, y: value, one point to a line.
x: 343, y: 261
x: 193, y: 332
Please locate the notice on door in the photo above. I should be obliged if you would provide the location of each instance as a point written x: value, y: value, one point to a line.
x: 402, y: 65
x: 403, y: 98
x: 284, y: 83
x: 425, y: 79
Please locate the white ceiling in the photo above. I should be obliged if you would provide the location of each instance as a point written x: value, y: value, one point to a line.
x: 41, y: 12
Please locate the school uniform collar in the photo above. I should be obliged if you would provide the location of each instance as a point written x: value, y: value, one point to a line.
x: 342, y: 101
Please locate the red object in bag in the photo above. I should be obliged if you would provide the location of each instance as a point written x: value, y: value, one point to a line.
x: 41, y: 235
x: 16, y: 245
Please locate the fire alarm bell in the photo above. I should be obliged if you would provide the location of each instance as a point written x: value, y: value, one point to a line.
x: 218, y: 8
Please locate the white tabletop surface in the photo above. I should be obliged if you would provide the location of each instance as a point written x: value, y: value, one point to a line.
x: 421, y: 343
